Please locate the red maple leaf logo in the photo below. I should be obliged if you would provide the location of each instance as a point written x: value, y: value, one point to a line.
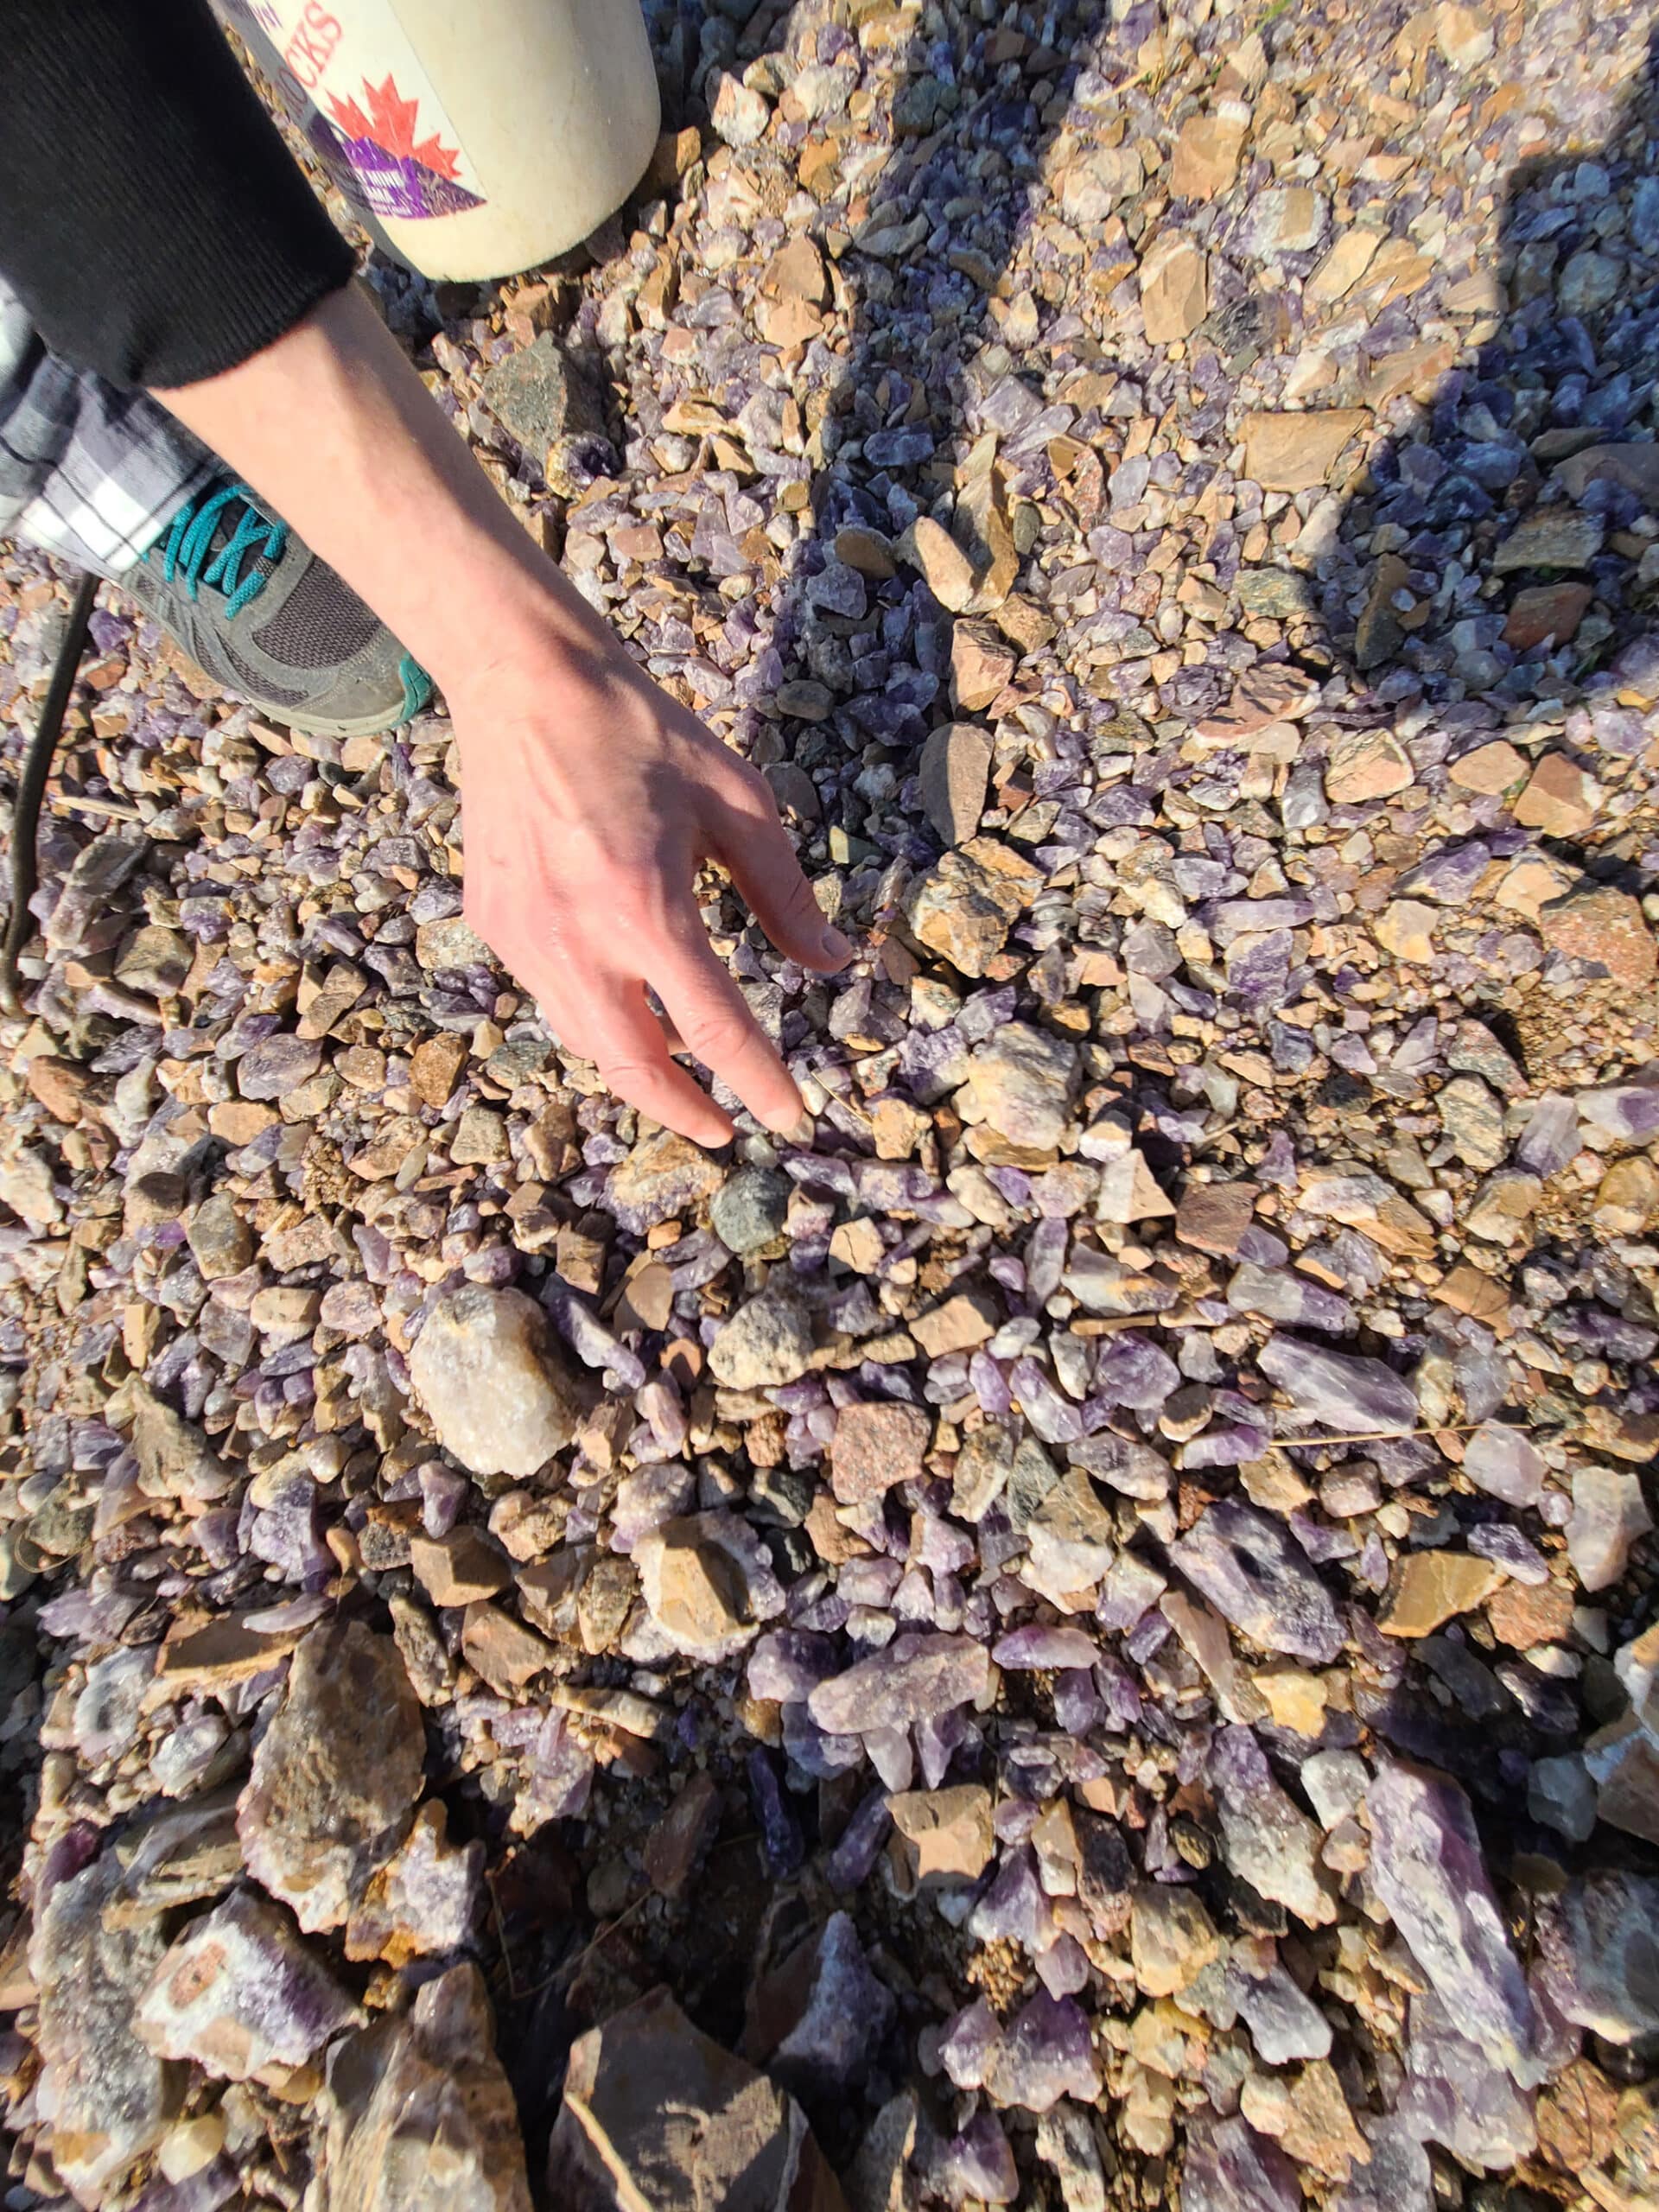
x: 391, y: 123
x: 350, y: 118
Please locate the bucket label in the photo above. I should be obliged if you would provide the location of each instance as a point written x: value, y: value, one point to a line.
x: 353, y: 83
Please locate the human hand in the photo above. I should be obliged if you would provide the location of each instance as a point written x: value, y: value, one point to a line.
x: 590, y: 798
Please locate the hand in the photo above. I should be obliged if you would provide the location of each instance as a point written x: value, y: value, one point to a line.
x: 589, y: 799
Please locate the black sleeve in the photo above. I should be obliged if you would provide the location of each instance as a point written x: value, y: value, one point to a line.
x: 151, y: 219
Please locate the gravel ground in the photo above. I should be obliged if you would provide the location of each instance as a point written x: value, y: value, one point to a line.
x: 1085, y: 1634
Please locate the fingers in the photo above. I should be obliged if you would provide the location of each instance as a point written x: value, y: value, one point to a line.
x: 713, y: 1017
x: 753, y: 844
x: 626, y: 1043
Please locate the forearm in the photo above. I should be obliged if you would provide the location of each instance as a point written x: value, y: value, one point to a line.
x: 334, y: 428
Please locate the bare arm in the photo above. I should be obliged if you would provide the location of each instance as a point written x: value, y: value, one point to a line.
x: 591, y: 795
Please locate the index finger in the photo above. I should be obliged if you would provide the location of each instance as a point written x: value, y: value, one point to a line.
x: 717, y: 1027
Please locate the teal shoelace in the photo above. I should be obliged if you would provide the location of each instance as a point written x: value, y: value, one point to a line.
x: 189, y: 551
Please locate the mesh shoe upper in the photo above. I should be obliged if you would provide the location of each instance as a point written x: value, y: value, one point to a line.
x: 255, y: 607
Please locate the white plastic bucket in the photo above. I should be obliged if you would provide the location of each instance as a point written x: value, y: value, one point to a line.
x: 473, y: 137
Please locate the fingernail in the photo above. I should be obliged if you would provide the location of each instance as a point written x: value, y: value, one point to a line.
x: 834, y: 945
x: 794, y: 1128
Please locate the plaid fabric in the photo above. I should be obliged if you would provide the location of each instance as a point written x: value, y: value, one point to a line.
x: 87, y: 470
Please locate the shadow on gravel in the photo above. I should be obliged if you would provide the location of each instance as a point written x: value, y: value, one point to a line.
x: 1512, y: 523
x: 1496, y: 572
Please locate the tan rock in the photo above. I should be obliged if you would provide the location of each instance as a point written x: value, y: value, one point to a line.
x: 1561, y: 798
x: 1291, y: 452
x: 1405, y: 928
x: 1342, y: 268
x: 455, y: 1569
x: 1296, y: 1697
x: 1366, y: 764
x: 1433, y: 1587
x: 1212, y: 1217
x: 506, y: 1653
x: 1174, y: 288
x: 958, y: 1324
x: 1523, y: 1614
x: 1633, y: 467
x: 656, y: 2115
x: 1399, y: 269
x: 1130, y: 1192
x: 857, y: 1244
x: 876, y: 1446
x: 1490, y: 769
x: 218, y: 1656
x: 1534, y: 881
x: 1100, y: 180
x: 1464, y: 35
x: 239, y: 1121
x: 1379, y: 632
x: 868, y: 551
x: 948, y: 1831
x: 1308, y: 2114
x: 1627, y: 1202
x: 1172, y: 1938
x: 1205, y: 159
x: 945, y: 568
x: 418, y: 2115
x: 675, y: 1844
x: 980, y: 668
x: 434, y: 1067
x: 965, y: 907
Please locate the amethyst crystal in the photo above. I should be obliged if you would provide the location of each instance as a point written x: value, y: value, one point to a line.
x: 1428, y: 1870
x: 1505, y: 1463
x: 913, y: 1678
x: 1229, y: 2168
x: 1256, y: 1576
x: 1343, y: 1392
x: 1046, y: 2053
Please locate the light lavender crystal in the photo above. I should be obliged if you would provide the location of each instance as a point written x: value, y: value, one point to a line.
x: 1353, y: 1394
x: 913, y: 1678
x: 1456, y: 2096
x: 1505, y: 1463
x: 1046, y: 2053
x: 1428, y: 1870
x: 1037, y: 1647
x: 1284, y: 2024
x: 1551, y: 1136
x: 1278, y: 1294
x: 1256, y: 1576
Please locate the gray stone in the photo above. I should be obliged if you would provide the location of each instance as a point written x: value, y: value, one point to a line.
x: 539, y: 397
x: 748, y: 1211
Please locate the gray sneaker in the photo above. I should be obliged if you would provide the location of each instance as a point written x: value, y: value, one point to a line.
x: 259, y: 612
